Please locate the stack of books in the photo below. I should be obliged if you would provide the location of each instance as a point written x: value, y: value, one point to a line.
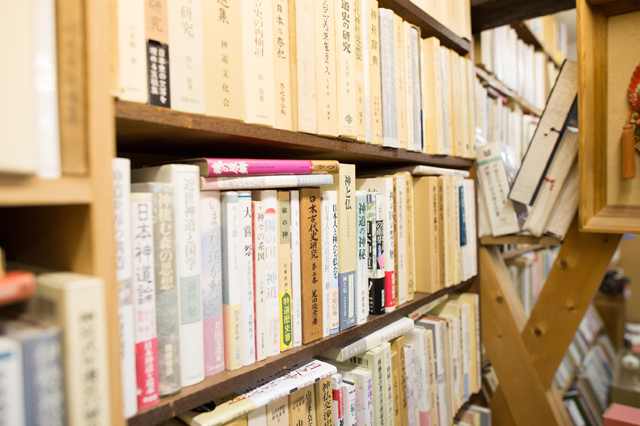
x: 336, y: 68
x: 224, y: 262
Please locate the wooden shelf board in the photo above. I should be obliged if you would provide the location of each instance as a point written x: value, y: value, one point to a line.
x: 227, y: 381
x: 520, y: 239
x: 429, y: 27
x: 529, y: 37
x: 487, y: 14
x: 518, y: 252
x: 505, y: 91
x: 32, y: 191
x: 149, y: 129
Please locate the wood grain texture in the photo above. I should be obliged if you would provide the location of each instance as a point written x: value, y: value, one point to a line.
x: 42, y: 192
x: 510, y: 254
x: 491, y: 81
x: 520, y: 239
x: 429, y: 27
x: 491, y: 14
x: 150, y: 129
x: 227, y: 381
x: 501, y: 321
x: 615, y: 7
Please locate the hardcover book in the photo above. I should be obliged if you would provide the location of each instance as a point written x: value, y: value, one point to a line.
x: 325, y: 72
x: 346, y: 70
x: 296, y: 278
x: 375, y: 83
x: 284, y: 271
x: 282, y: 72
x: 245, y: 281
x: 259, y: 278
x: 388, y: 79
x: 11, y: 387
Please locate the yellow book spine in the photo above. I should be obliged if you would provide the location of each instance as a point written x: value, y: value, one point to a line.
x: 432, y: 96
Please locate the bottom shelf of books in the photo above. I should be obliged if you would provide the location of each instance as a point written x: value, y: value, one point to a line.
x: 391, y: 339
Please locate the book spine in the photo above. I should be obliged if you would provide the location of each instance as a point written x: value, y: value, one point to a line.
x: 346, y: 70
x: 420, y: 368
x: 395, y: 379
x: 188, y: 260
x: 465, y: 347
x: 359, y: 57
x: 11, y: 385
x: 121, y: 169
x: 410, y: 236
x: 259, y: 278
x: 144, y: 297
x: 246, y: 279
x: 324, y: 404
x: 258, y: 62
x: 296, y: 283
x: 231, y: 292
x: 253, y: 167
x: 411, y: 385
x: 399, y: 346
x: 311, y: 265
x: 132, y: 72
x: 465, y: 102
x: 455, y: 228
x: 262, y: 182
x: 347, y: 245
x: 278, y: 412
x: 310, y: 407
x: 284, y: 271
x: 350, y: 403
x: 442, y: 254
x: 325, y: 241
x: 471, y: 89
x: 448, y: 136
x: 373, y: 361
x: 375, y: 83
x: 408, y: 84
x: 388, y: 383
x: 400, y: 242
x: 456, y: 104
x: 432, y: 106
x: 365, y: 22
x: 159, y: 74
x: 325, y: 63
x: 297, y: 407
x: 388, y: 80
x: 302, y: 45
x: 376, y: 283
x: 416, y: 73
x: 187, y: 61
x: 211, y: 281
x: 362, y: 270
x: 282, y: 72
x: 389, y: 254
x: 400, y: 76
x: 270, y: 199
x: 431, y: 371
x: 224, y: 89
x: 337, y: 393
x: 334, y: 283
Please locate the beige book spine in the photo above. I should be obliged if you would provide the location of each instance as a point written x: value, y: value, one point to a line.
x: 471, y: 115
x: 282, y: 71
x: 326, y: 84
x: 395, y: 377
x: 465, y: 101
x: 410, y: 218
x: 431, y: 101
x: 441, y: 236
x: 224, y: 86
x: 303, y: 66
x: 324, y: 402
x: 408, y: 83
x: 456, y: 105
x: 284, y: 271
x: 297, y: 407
x: 375, y: 83
x: 426, y: 234
x: 240, y: 421
x: 398, y: 39
x: 447, y: 94
x: 398, y: 345
x: 455, y: 226
x: 346, y: 74
x: 433, y: 381
x: 448, y: 230
x: 358, y: 22
x: 278, y: 412
x: 258, y: 63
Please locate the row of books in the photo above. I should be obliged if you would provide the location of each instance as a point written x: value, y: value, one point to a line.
x: 521, y: 68
x: 540, y: 194
x: 219, y: 270
x: 334, y: 68
x: 552, y: 34
x: 407, y: 373
x: 455, y: 15
x: 529, y: 272
x: 474, y: 415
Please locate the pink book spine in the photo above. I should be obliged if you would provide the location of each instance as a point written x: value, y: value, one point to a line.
x: 245, y: 167
x: 147, y: 372
x: 389, y: 289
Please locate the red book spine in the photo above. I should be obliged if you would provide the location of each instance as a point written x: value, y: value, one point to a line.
x: 16, y: 286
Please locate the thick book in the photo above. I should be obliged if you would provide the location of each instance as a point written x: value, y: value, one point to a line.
x: 410, y: 236
x: 346, y: 69
x: 302, y: 407
x: 187, y: 57
x: 463, y: 106
x: 121, y: 178
x: 11, y: 385
x: 245, y: 281
x: 211, y: 242
x: 375, y: 257
x: 236, y: 167
x: 278, y: 412
x: 416, y: 337
x: 281, y: 71
x: 544, y: 143
x: 324, y: 402
x: 75, y: 303
x: 264, y: 182
x: 284, y: 271
x: 166, y: 286
x: 432, y: 105
x: 132, y: 63
x: 231, y: 290
x: 389, y: 98
x: 400, y: 240
x: 412, y: 410
x: 344, y: 352
x: 388, y: 382
x: 325, y: 71
x: 397, y: 345
x: 401, y: 80
x: 311, y: 265
x: 437, y: 328
x: 296, y: 277
x: 222, y: 38
x: 329, y: 205
x: 259, y: 278
x: 375, y: 82
x: 270, y: 201
x: 261, y: 393
x: 447, y: 94
x: 361, y: 378
x: 362, y: 270
x: 258, y: 62
x: 20, y: 285
x: 42, y: 379
x: 373, y: 360
x: 302, y: 46
x: 337, y: 393
x: 456, y: 105
x: 144, y: 298
x: 157, y: 54
x: 184, y: 179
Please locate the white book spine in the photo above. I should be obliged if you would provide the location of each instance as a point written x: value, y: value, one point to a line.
x: 231, y: 275
x: 362, y: 269
x: 447, y: 113
x: 326, y: 233
x: 412, y: 409
x: 259, y: 279
x: 465, y: 344
x: 388, y: 76
x: 258, y: 65
x: 401, y: 207
x: 334, y: 293
x: 258, y: 417
x: 246, y: 279
x: 270, y: 199
x: 11, y: 385
x: 416, y: 55
x: 132, y: 62
x: 306, y: 66
x: 366, y: 21
x: 388, y: 383
x: 121, y: 169
x: 186, y: 67
x: 46, y: 85
x: 346, y: 69
x: 389, y: 250
x: 408, y: 81
x: 350, y: 405
x: 296, y: 278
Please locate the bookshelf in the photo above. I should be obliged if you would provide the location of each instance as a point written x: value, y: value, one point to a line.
x: 520, y: 239
x: 524, y: 32
x: 42, y: 192
x: 491, y: 81
x: 510, y: 254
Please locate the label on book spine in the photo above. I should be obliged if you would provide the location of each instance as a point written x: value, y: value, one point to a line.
x: 362, y: 305
x: 157, y: 29
x: 270, y: 199
x: 282, y: 72
x: 375, y: 87
x: 259, y: 278
x: 284, y: 271
x: 246, y: 279
x: 311, y: 265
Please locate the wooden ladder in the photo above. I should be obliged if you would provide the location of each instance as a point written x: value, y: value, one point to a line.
x: 526, y: 353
